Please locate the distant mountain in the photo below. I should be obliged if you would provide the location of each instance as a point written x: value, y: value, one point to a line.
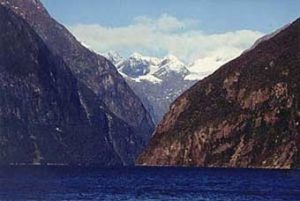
x: 114, y: 57
x: 246, y: 114
x: 158, y: 82
x: 98, y: 75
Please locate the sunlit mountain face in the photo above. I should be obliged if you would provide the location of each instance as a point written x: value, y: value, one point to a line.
x: 244, y: 115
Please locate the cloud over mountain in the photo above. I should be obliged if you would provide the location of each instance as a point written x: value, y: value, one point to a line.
x: 165, y: 35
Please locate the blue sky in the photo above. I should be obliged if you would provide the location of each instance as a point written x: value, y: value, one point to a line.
x: 214, y: 15
x: 186, y: 28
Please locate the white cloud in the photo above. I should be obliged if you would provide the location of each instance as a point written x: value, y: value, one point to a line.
x: 166, y: 35
x: 165, y: 23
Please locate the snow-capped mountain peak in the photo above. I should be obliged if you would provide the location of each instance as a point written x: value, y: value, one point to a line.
x: 114, y: 57
x: 171, y: 58
x: 157, y: 81
x: 138, y: 66
x: 171, y: 64
x: 135, y: 66
x: 145, y: 59
x: 136, y: 55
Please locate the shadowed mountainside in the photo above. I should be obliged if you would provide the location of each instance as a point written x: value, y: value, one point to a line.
x: 93, y: 70
x: 60, y: 103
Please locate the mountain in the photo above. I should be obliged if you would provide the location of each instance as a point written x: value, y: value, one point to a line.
x: 158, y: 82
x: 114, y: 125
x: 114, y: 57
x: 46, y: 115
x: 94, y: 70
x: 246, y: 114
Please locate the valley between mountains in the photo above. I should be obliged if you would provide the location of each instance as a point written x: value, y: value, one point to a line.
x: 64, y: 104
x: 244, y: 115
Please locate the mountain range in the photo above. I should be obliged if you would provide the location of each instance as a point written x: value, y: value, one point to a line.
x: 63, y: 104
x: 159, y: 81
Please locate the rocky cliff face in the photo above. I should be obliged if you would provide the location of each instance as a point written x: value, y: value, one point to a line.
x: 93, y: 70
x: 45, y: 116
x: 244, y: 115
x: 48, y: 114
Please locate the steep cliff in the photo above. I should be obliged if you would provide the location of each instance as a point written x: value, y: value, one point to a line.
x: 93, y: 70
x: 246, y: 114
x: 47, y: 116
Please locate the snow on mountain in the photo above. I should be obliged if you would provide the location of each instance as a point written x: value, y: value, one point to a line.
x: 170, y: 65
x: 158, y: 82
x: 114, y: 57
x: 138, y: 65
x: 204, y: 67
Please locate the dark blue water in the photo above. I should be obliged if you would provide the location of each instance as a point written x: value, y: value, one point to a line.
x: 66, y: 183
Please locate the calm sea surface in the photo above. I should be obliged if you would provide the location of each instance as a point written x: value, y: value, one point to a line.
x: 67, y: 183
